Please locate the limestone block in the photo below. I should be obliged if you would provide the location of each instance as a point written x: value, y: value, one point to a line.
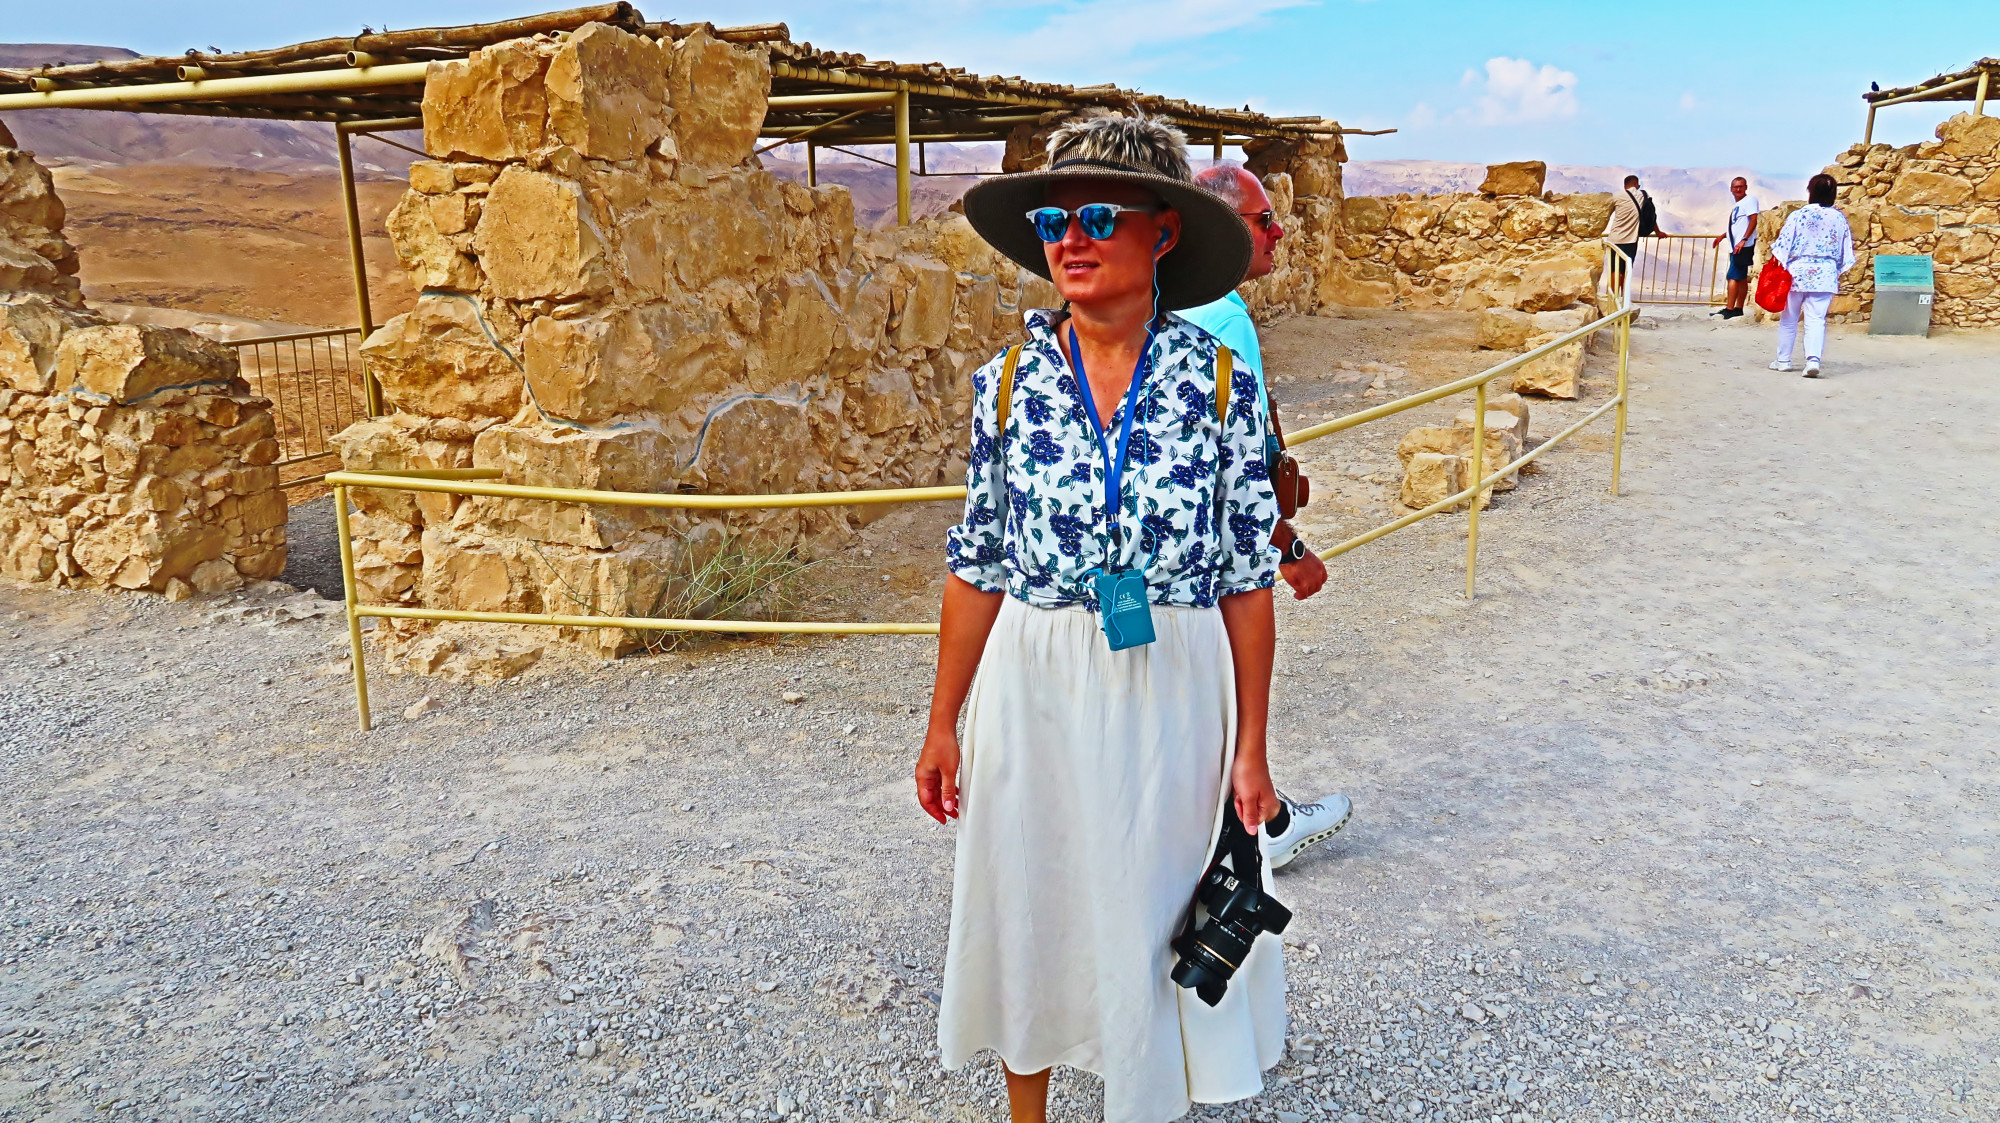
x: 1363, y: 214
x: 1038, y: 292
x: 1504, y: 329
x: 1315, y: 175
x: 436, y: 360
x: 1561, y: 321
x: 1989, y: 188
x: 961, y: 248
x: 1358, y: 284
x: 1502, y: 445
x: 1523, y: 177
x: 1472, y: 218
x: 1285, y: 196
x: 432, y: 177
x: 1498, y: 419
x: 1966, y: 135
x: 1588, y: 213
x: 1956, y: 247
x: 594, y: 368
x: 459, y: 573
x: 1929, y: 189
x: 538, y: 239
x: 125, y: 362
x: 1559, y: 279
x: 637, y: 457
x: 607, y: 93
x: 755, y: 446
x: 1530, y: 218
x: 1558, y: 374
x: 432, y: 259
x: 1413, y: 218
x: 215, y: 576
x: 31, y: 213
x: 717, y: 91
x: 727, y: 229
x: 798, y: 328
x: 885, y: 400
x: 926, y: 315
x: 144, y: 551
x: 1966, y: 286
x: 1431, y: 477
x: 30, y: 334
x: 1899, y: 225
x: 492, y: 105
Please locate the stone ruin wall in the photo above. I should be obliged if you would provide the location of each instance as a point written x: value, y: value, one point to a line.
x: 1941, y: 198
x: 616, y: 296
x: 131, y: 457
x: 1508, y: 245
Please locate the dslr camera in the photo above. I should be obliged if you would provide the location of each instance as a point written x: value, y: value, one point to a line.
x: 1238, y: 912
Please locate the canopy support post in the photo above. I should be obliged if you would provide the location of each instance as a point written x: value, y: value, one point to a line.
x: 358, y: 260
x: 903, y: 157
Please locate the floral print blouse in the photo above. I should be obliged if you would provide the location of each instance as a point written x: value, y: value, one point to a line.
x: 1197, y: 498
x: 1816, y: 247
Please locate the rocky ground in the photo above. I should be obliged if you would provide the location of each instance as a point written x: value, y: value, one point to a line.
x: 1687, y: 816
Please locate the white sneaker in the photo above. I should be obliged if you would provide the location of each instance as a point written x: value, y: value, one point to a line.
x: 1311, y: 822
x: 1812, y: 368
x: 1782, y: 368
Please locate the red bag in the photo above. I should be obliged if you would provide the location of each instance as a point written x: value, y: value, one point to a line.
x: 1774, y: 286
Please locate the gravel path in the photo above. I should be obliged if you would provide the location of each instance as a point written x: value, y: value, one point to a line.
x: 1687, y: 817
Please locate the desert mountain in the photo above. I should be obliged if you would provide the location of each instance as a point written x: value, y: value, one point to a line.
x: 1690, y: 200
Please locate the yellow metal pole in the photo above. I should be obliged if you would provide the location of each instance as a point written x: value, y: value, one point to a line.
x: 902, y: 157
x: 353, y: 619
x: 1868, y: 134
x: 1979, y: 96
x: 812, y: 164
x: 1478, y: 488
x: 358, y: 260
x: 1618, y: 427
x: 46, y: 96
x: 1218, y: 146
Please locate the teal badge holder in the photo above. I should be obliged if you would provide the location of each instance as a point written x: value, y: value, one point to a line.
x: 1124, y: 608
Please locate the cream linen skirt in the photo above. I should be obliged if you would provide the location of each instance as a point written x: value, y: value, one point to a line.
x: 1092, y: 787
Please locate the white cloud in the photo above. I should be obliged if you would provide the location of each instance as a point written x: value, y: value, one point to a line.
x: 1689, y: 102
x: 1423, y: 115
x: 1517, y: 91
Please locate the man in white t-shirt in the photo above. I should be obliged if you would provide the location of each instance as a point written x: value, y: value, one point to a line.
x: 1297, y: 825
x: 1742, y: 235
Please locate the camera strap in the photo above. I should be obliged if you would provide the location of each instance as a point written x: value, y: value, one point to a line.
x: 1240, y: 847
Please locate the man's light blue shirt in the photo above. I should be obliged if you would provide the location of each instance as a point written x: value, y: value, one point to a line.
x: 1229, y: 320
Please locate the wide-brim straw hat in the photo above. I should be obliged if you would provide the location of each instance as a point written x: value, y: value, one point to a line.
x: 1208, y: 263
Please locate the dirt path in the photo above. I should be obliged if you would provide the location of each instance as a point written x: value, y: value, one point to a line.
x: 1687, y: 817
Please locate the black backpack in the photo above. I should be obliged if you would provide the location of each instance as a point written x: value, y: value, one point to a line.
x: 1649, y: 219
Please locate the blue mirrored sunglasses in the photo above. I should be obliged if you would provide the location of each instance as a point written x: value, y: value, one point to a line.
x: 1098, y: 220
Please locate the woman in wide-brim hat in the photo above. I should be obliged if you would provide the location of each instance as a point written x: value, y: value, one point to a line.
x: 1092, y: 781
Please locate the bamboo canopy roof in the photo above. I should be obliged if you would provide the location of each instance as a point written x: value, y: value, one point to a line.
x: 378, y: 76
x: 1963, y: 85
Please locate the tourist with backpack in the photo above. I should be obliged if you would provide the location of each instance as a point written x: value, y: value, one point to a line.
x: 1633, y: 217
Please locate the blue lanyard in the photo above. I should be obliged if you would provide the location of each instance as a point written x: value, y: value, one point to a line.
x: 1114, y: 476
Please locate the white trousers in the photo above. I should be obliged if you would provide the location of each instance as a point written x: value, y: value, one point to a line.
x: 1813, y: 305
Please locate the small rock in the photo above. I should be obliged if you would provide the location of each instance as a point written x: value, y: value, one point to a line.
x: 567, y: 995
x: 1472, y: 1013
x: 427, y: 704
x: 1587, y: 978
x: 792, y: 697
x: 179, y: 590
x: 786, y: 1105
x: 586, y: 1050
x: 767, y: 986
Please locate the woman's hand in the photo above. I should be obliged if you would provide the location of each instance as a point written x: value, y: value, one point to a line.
x: 1256, y: 796
x: 937, y: 775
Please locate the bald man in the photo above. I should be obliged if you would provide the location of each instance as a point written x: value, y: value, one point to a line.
x: 1298, y: 825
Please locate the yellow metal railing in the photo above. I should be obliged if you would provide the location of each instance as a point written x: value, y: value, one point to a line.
x: 1678, y: 269
x: 317, y: 386
x: 476, y: 481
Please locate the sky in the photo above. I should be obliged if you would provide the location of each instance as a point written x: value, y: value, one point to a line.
x: 1773, y: 86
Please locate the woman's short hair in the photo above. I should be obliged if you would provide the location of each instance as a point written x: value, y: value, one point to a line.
x: 1821, y: 189
x: 1137, y: 139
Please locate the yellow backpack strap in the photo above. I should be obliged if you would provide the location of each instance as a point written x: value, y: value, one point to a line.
x: 1225, y: 369
x: 1006, y: 392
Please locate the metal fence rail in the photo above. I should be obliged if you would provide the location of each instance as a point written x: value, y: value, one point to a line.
x: 477, y: 481
x: 1679, y: 269
x: 317, y: 384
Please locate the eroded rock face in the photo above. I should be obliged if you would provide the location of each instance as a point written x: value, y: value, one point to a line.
x: 607, y: 93
x: 438, y: 360
x: 718, y: 94
x: 34, y: 255
x: 492, y: 105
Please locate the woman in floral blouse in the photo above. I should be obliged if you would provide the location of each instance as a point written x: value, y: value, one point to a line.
x: 1092, y: 781
x: 1816, y: 247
